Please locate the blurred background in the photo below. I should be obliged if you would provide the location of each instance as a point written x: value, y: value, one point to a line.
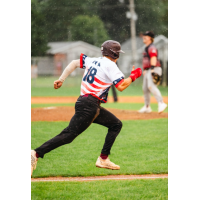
x: 62, y: 29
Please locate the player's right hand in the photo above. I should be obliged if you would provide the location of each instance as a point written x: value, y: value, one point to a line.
x: 57, y: 84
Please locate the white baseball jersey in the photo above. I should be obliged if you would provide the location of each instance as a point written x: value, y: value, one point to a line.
x: 100, y: 74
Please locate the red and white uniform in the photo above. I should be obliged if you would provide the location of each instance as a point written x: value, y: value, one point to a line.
x: 100, y: 74
x: 149, y: 52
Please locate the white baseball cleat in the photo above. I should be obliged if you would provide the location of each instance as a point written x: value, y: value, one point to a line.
x: 145, y: 109
x: 161, y: 107
x: 34, y: 160
x: 101, y: 163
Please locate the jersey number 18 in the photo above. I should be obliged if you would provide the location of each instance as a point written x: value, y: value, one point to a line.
x: 89, y: 77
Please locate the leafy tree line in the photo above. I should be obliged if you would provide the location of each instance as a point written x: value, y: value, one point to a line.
x: 38, y: 33
x: 152, y: 15
x: 92, y: 21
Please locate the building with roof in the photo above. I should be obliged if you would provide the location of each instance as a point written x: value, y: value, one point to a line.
x: 60, y: 54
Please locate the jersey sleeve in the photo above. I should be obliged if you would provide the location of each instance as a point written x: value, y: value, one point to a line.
x: 84, y: 60
x: 115, y: 75
x: 152, y: 51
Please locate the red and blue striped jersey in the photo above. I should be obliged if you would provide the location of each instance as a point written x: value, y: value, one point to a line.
x: 100, y: 73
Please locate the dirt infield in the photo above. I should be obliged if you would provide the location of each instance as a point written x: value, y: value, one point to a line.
x: 133, y: 99
x: 66, y: 113
x: 101, y: 178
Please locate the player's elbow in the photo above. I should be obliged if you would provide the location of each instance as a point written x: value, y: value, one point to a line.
x: 120, y: 85
x: 120, y: 88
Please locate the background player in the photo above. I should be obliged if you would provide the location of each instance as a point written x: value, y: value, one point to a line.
x: 115, y: 99
x: 114, y: 92
x: 151, y: 64
x: 100, y: 74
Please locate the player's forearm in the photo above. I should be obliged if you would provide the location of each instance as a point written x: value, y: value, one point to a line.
x: 69, y: 69
x: 125, y: 84
x: 134, y: 75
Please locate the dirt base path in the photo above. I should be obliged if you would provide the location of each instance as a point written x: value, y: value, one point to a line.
x: 133, y: 99
x: 66, y: 113
x: 101, y: 178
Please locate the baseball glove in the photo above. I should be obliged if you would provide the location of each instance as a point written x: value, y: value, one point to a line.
x: 156, y: 78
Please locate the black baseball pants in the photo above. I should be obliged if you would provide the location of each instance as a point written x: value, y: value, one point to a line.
x: 87, y: 111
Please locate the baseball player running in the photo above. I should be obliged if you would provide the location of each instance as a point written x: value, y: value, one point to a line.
x: 151, y: 65
x: 100, y: 74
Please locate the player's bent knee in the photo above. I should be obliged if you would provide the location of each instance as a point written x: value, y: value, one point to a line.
x: 118, y: 126
x: 145, y: 89
x: 149, y: 87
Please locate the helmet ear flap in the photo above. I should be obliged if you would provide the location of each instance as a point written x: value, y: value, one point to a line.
x: 114, y: 54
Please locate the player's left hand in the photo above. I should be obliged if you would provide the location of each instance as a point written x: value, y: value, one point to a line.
x: 135, y: 74
x: 57, y: 84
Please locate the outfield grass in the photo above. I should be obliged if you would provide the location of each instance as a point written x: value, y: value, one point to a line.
x: 124, y: 106
x: 131, y: 106
x: 43, y: 86
x: 121, y: 189
x: 43, y: 105
x: 140, y: 148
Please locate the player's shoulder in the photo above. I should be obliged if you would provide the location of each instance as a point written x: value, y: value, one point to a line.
x: 152, y: 47
x: 84, y: 60
x: 89, y: 58
x: 107, y: 62
x: 82, y: 55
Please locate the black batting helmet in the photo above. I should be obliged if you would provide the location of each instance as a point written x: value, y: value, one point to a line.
x: 111, y: 48
x: 149, y: 33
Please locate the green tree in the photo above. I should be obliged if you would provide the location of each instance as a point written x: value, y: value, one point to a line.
x: 113, y: 14
x: 152, y: 15
x: 55, y: 20
x: 38, y: 33
x: 59, y: 15
x: 88, y: 29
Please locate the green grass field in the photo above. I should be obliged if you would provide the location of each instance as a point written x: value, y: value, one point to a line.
x: 140, y: 148
x: 123, y: 106
x: 102, y: 190
x: 43, y: 86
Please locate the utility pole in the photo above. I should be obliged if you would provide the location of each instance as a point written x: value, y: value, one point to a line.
x: 133, y: 31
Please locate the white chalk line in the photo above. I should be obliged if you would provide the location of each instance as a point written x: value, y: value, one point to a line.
x: 94, y: 179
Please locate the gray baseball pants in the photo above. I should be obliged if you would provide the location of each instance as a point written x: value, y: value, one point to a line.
x: 149, y: 87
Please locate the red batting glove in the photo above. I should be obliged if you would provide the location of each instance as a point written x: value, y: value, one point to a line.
x: 136, y: 74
